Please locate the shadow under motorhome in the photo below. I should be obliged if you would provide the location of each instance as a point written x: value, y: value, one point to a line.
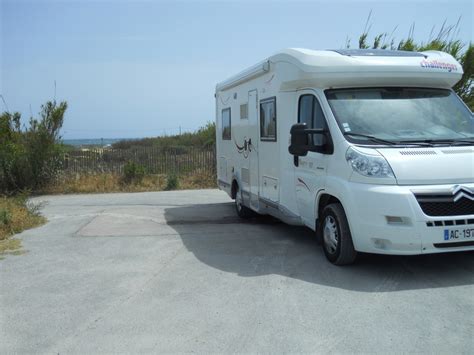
x: 371, y: 149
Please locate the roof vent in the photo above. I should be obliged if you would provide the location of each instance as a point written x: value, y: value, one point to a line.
x: 377, y: 53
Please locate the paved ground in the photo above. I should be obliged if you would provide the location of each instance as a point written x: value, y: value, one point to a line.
x: 177, y: 272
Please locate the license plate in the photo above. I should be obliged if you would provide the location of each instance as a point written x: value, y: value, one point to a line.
x: 459, y: 234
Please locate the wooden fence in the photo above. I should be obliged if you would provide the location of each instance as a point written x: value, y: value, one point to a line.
x: 177, y: 160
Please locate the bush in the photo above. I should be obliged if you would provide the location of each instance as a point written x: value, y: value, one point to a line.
x: 132, y: 173
x: 5, y: 217
x: 172, y: 182
x: 30, y: 157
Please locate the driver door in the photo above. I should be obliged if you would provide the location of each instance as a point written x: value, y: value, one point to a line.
x: 310, y: 170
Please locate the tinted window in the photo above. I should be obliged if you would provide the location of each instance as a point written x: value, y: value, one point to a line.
x: 226, y: 124
x: 268, y: 119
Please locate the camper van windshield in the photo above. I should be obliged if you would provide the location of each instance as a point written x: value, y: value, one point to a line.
x: 402, y: 116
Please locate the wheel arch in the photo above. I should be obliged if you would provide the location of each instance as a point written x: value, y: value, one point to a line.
x: 236, y: 185
x: 324, y: 199
x: 338, y: 192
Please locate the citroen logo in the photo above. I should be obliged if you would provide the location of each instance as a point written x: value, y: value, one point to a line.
x: 462, y: 191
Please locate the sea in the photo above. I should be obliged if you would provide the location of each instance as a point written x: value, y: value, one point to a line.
x: 101, y: 142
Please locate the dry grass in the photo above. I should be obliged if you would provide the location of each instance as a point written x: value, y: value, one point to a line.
x: 10, y: 246
x: 200, y: 179
x: 16, y: 215
x: 101, y: 183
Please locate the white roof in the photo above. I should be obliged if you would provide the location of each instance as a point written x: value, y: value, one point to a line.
x: 348, y: 67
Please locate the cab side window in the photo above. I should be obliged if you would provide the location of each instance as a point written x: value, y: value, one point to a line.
x: 311, y: 113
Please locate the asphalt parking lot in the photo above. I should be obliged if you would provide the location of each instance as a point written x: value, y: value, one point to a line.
x: 179, y: 272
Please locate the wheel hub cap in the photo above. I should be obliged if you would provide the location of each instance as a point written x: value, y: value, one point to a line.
x: 330, y: 234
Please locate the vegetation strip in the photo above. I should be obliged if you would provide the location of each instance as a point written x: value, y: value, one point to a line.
x: 16, y: 215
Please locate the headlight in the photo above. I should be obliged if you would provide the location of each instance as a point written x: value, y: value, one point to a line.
x: 369, y: 165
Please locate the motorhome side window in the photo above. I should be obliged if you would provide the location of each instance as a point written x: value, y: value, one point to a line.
x: 310, y: 112
x: 268, y: 119
x: 226, y: 124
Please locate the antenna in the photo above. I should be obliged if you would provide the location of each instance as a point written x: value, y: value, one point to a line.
x: 54, y: 89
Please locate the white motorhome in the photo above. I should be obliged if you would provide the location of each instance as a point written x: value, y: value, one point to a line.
x: 371, y: 149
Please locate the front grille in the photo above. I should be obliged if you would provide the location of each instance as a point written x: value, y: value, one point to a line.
x: 443, y: 204
x: 460, y: 208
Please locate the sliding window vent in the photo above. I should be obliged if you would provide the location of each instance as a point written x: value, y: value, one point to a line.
x: 244, y: 111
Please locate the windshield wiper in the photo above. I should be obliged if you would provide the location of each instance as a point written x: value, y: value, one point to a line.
x: 451, y: 142
x: 383, y: 141
x: 370, y: 138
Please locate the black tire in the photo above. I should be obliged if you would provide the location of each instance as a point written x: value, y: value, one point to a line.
x: 336, y: 236
x: 242, y: 211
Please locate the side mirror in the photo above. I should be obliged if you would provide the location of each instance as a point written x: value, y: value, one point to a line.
x: 299, y: 140
x: 303, y: 140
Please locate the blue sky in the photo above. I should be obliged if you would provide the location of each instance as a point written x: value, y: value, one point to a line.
x: 145, y: 68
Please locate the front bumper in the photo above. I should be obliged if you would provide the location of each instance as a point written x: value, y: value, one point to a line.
x: 389, y: 220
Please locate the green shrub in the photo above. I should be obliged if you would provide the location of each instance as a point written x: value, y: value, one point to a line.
x: 30, y: 157
x: 5, y: 217
x: 172, y: 182
x: 133, y: 173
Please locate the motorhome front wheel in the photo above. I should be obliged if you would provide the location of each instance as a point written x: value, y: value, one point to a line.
x: 337, y: 239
